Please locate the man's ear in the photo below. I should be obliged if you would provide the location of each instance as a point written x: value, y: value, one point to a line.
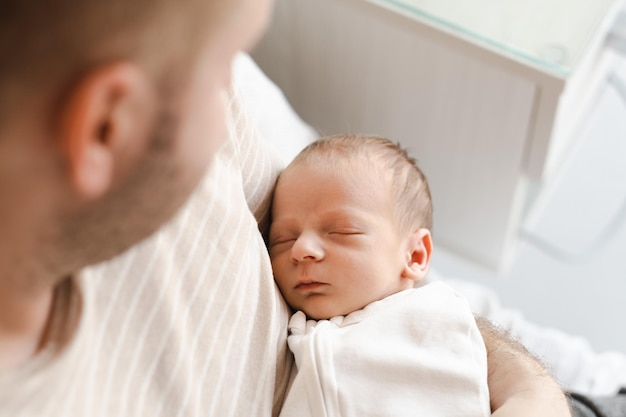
x: 104, y: 123
x: 418, y: 253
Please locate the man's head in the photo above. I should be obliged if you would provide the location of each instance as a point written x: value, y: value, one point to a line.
x: 109, y: 113
x: 350, y: 222
x: 48, y: 44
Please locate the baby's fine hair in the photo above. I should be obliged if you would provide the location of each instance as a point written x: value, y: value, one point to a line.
x: 412, y: 201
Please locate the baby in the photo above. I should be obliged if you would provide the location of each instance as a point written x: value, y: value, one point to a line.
x: 350, y: 237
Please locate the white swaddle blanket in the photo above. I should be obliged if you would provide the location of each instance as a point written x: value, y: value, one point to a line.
x: 417, y: 352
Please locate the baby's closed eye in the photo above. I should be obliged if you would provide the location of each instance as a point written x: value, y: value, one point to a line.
x: 281, y: 240
x: 346, y: 231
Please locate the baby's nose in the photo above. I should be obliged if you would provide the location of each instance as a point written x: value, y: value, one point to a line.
x: 307, y: 248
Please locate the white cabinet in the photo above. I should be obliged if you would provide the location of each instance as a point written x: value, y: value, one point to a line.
x: 486, y: 96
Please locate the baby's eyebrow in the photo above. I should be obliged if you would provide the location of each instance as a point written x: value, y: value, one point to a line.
x: 277, y: 228
x: 345, y: 215
x: 277, y: 224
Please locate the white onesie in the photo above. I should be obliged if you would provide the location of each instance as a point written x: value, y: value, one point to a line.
x: 414, y: 353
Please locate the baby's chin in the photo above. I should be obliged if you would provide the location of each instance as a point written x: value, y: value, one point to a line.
x: 317, y: 313
x: 326, y: 312
x: 318, y: 316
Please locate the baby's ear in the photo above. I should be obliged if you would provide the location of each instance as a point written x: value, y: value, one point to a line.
x: 418, y: 252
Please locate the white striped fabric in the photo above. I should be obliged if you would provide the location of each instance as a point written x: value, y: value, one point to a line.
x: 188, y: 323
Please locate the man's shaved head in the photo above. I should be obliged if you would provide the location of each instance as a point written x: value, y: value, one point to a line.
x: 45, y: 44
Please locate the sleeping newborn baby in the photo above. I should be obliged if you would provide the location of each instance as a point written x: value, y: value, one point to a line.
x: 350, y: 237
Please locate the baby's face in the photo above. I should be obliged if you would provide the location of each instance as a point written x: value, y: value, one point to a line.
x: 334, y: 243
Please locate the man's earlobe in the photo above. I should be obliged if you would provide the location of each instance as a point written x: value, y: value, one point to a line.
x: 419, y: 252
x: 102, y: 112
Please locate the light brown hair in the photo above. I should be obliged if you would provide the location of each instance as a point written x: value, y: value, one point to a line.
x: 410, y: 191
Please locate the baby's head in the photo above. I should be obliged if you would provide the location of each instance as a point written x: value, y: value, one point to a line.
x: 351, y: 223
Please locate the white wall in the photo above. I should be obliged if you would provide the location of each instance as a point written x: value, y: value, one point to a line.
x: 587, y: 294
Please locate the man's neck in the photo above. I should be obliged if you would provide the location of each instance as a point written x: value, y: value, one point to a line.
x: 24, y: 314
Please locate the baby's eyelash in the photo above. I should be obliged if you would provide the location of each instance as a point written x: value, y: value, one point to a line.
x: 278, y: 241
x: 346, y: 232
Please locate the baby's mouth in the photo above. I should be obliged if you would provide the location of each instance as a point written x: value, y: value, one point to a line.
x: 309, y: 286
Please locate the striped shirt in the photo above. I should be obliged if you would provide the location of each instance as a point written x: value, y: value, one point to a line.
x: 187, y: 323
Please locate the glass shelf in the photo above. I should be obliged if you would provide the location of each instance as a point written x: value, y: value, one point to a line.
x: 550, y: 34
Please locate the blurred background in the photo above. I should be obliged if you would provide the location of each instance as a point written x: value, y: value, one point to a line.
x: 570, y: 274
